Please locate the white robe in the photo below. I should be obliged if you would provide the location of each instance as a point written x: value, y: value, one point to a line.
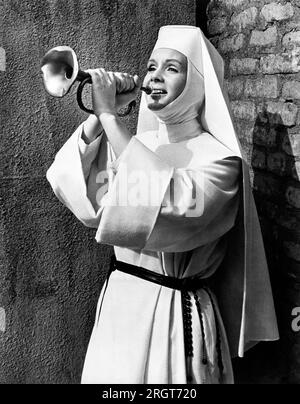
x: 138, y: 333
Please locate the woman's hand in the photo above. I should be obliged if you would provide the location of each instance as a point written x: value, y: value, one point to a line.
x: 103, y: 92
x: 127, y: 88
x: 105, y: 87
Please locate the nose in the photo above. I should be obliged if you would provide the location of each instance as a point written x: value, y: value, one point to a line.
x: 156, y: 75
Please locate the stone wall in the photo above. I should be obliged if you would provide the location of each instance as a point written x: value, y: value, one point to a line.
x: 260, y: 43
x: 51, y: 268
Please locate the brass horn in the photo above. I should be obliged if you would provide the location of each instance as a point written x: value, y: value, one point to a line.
x: 60, y: 71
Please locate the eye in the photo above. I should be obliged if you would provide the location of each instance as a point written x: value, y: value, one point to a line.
x: 150, y: 68
x: 173, y: 69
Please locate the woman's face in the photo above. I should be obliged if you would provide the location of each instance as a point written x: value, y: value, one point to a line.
x: 167, y: 71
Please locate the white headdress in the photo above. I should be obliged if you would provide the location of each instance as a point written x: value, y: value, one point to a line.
x: 203, y: 56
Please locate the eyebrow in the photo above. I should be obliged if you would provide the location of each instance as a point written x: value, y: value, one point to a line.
x: 166, y: 61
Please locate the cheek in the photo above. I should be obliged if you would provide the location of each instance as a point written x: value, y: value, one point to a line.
x: 179, y: 87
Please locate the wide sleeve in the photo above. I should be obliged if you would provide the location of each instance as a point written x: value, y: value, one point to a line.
x: 79, y: 176
x: 156, y: 207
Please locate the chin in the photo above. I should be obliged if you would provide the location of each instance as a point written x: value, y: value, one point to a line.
x: 155, y: 106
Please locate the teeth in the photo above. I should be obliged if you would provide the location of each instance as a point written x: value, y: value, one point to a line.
x: 158, y: 91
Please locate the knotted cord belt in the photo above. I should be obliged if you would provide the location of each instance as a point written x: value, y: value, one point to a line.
x: 185, y: 285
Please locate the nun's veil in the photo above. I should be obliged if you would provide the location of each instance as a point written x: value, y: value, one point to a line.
x: 245, y: 296
x: 191, y: 42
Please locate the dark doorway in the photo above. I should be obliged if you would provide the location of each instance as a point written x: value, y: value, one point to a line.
x: 201, y: 16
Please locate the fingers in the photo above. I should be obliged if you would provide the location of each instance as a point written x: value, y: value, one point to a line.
x: 103, y: 91
x: 93, y: 74
x: 105, y: 78
x: 100, y: 78
x: 124, y: 82
x: 125, y: 98
x: 137, y: 81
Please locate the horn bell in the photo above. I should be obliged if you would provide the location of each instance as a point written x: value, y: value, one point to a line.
x: 60, y: 69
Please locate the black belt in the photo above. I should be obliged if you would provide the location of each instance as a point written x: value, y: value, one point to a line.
x: 185, y: 285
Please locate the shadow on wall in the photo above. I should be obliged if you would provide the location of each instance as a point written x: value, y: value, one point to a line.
x: 272, y: 172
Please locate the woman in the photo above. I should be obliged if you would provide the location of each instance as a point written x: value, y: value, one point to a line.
x: 175, y: 203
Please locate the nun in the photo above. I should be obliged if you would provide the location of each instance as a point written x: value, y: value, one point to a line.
x: 188, y: 287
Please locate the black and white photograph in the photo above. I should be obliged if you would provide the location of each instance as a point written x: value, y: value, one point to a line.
x: 149, y: 194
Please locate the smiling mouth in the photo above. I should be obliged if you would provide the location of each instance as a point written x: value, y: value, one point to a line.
x: 158, y: 91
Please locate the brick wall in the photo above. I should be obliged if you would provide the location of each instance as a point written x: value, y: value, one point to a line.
x: 260, y: 43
